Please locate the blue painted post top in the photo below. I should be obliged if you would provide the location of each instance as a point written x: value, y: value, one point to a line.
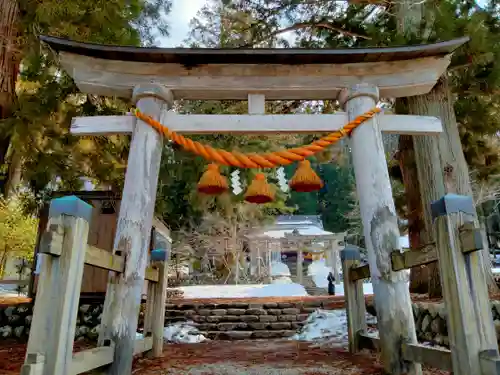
x: 350, y: 252
x: 159, y: 255
x: 72, y: 206
x: 452, y: 203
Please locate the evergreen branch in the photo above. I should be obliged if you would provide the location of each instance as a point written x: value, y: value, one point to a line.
x: 305, y: 25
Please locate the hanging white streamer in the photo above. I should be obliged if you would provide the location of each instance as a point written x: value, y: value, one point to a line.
x: 235, y: 182
x: 280, y: 174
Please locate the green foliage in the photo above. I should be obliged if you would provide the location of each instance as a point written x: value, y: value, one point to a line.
x: 474, y: 71
x: 334, y: 202
x: 17, y: 232
x: 178, y: 201
x: 47, y: 98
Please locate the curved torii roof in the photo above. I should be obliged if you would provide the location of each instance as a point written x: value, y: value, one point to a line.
x: 203, y: 73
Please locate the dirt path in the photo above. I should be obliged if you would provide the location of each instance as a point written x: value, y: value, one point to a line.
x: 259, y: 357
x: 277, y: 357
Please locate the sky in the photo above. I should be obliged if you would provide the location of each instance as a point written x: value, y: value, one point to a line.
x: 185, y: 10
x: 182, y: 12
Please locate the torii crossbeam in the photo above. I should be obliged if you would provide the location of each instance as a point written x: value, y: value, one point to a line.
x: 154, y: 77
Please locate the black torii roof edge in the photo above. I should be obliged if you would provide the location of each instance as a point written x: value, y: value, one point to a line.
x: 283, y: 56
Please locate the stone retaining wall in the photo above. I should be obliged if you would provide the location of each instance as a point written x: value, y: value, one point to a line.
x: 15, y: 321
x: 216, y: 320
x: 238, y: 320
x: 431, y: 326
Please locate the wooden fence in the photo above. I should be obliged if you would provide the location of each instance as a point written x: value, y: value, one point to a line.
x: 472, y: 339
x: 65, y: 249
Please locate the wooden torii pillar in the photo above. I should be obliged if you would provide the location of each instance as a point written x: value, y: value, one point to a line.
x: 357, y: 77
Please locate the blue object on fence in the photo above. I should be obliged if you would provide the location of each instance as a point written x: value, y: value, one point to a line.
x: 452, y: 203
x: 72, y: 206
x: 350, y: 252
x: 159, y: 255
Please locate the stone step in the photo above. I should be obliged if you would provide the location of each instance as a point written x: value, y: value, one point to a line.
x: 316, y: 291
x: 245, y: 335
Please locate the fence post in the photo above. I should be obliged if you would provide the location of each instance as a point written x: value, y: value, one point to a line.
x: 470, y: 323
x: 148, y: 310
x: 63, y: 248
x: 160, y: 299
x: 354, y: 297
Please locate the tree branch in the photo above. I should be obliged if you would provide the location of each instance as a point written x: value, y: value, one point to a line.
x: 304, y: 25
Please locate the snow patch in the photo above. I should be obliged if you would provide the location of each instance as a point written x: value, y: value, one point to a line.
x: 328, y: 326
x: 183, y: 333
x: 318, y: 270
x: 279, y: 269
x: 244, y: 291
x: 282, y: 280
x: 495, y: 270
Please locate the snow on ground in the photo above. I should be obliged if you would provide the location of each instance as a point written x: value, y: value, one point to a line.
x: 331, y: 326
x: 10, y: 291
x: 318, y: 270
x: 280, y: 273
x: 279, y: 269
x: 183, y: 333
x: 339, y: 289
x: 282, y: 280
x: 244, y: 291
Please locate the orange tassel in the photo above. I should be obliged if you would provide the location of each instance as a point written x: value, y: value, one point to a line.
x: 305, y: 179
x: 212, y: 182
x: 259, y: 190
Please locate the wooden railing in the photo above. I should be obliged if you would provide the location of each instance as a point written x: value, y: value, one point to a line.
x: 55, y: 311
x: 457, y: 242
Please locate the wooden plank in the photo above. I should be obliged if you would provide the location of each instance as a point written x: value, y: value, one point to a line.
x: 470, y: 238
x: 132, y: 239
x: 104, y: 259
x: 33, y: 364
x: 381, y: 231
x: 368, y: 342
x: 91, y: 359
x: 254, y: 124
x: 152, y: 274
x: 470, y: 326
x: 103, y: 125
x: 358, y: 68
x: 14, y: 282
x: 143, y: 345
x: 408, y: 77
x: 256, y: 104
x: 413, y: 258
x: 433, y: 357
x: 160, y: 299
x: 359, y: 272
x: 162, y: 229
x: 490, y: 362
x: 354, y: 298
x: 55, y: 312
x: 149, y: 308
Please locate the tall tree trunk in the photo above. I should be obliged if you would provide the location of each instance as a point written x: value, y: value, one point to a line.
x: 14, y: 174
x: 430, y: 173
x: 441, y: 165
x: 409, y: 16
x: 9, y: 68
x: 406, y: 158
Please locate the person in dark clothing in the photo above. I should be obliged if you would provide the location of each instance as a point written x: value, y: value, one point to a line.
x: 331, y: 284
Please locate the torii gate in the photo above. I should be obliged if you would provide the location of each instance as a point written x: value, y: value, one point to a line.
x: 153, y: 78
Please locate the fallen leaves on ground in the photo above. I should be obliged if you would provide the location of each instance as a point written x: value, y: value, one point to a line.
x: 259, y: 357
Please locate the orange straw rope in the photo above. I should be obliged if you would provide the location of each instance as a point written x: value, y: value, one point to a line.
x: 269, y: 160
